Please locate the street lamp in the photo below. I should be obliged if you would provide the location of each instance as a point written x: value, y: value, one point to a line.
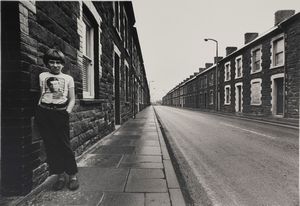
x: 217, y: 59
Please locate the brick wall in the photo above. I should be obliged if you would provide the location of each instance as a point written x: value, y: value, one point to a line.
x: 31, y: 28
x: 292, y: 69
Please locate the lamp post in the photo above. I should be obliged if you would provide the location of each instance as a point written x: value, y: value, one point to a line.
x: 217, y: 59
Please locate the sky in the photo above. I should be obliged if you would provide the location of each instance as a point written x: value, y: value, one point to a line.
x: 172, y: 33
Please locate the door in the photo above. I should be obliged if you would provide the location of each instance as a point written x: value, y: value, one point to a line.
x: 239, y: 99
x: 117, y: 89
x: 279, y: 96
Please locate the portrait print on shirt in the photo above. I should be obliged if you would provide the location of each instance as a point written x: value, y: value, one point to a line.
x: 54, y: 90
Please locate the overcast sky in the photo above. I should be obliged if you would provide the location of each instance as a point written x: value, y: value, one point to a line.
x: 171, y: 33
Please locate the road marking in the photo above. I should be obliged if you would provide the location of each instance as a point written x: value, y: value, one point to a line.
x: 247, y: 130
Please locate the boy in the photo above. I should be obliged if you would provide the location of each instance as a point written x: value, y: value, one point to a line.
x: 56, y: 103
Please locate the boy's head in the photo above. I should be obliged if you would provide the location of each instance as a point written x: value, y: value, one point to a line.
x: 54, y: 54
x: 54, y: 59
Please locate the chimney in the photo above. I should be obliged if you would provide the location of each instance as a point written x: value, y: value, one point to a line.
x: 207, y: 65
x: 230, y: 49
x: 219, y: 59
x: 195, y: 73
x: 250, y: 36
x: 282, y: 15
x: 191, y: 76
x: 201, y: 69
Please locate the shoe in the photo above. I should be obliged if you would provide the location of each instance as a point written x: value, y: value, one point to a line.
x: 73, y: 183
x: 59, y: 184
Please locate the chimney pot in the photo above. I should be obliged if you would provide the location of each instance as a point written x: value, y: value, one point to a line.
x: 250, y: 36
x: 230, y: 49
x: 201, y: 69
x: 207, y: 65
x: 219, y: 59
x: 282, y: 15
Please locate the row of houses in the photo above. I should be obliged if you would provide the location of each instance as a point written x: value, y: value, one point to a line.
x: 260, y: 79
x: 103, y: 55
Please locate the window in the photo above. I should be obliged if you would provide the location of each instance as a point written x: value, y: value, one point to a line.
x: 227, y: 94
x: 256, y: 60
x: 88, y: 59
x: 238, y: 67
x: 227, y: 71
x: 211, y: 97
x: 256, y: 92
x: 205, y: 81
x: 278, y: 51
x: 211, y: 79
x: 117, y: 14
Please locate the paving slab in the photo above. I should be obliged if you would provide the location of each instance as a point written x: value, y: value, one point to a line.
x: 170, y: 175
x: 102, y: 179
x: 146, y: 150
x: 176, y: 197
x: 127, y: 136
x: 123, y: 199
x: 106, y: 149
x: 118, y: 141
x: 100, y: 160
x: 157, y: 199
x: 141, y: 159
x: 146, y: 185
x: 149, y: 165
x: 146, y: 174
x: 145, y: 142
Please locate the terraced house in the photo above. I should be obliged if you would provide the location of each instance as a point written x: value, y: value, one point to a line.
x: 103, y: 55
x: 259, y: 79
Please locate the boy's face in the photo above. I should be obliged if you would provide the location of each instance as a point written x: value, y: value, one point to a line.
x: 55, y: 66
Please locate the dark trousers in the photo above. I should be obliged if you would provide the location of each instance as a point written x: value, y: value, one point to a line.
x: 54, y: 128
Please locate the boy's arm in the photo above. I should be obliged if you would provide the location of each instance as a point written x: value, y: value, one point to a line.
x: 71, y: 100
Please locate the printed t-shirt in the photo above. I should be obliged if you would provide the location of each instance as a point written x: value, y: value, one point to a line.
x: 55, y: 88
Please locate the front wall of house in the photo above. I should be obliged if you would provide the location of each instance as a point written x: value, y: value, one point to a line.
x: 34, y: 28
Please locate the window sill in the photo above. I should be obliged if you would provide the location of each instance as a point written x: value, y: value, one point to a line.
x: 227, y: 103
x: 278, y: 66
x: 252, y: 104
x: 88, y: 102
x: 255, y: 72
x: 227, y: 80
x: 239, y: 77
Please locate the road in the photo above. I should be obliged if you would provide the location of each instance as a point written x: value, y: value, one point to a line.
x: 237, y: 162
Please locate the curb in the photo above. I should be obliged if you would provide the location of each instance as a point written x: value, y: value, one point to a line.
x: 174, y: 177
x: 51, y: 179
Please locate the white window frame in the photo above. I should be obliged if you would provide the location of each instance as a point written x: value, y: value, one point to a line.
x: 257, y: 80
x: 275, y: 39
x: 211, y: 97
x: 236, y: 96
x: 227, y: 66
x: 260, y: 59
x: 225, y: 94
x: 273, y: 93
x: 236, y: 68
x: 88, y: 55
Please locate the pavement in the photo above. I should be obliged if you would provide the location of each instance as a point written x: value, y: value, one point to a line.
x: 130, y: 167
x: 273, y: 120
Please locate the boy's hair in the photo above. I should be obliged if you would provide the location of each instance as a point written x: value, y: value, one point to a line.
x: 54, y: 54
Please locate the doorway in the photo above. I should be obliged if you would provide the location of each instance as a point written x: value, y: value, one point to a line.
x: 117, y: 88
x: 277, y: 94
x: 238, y: 97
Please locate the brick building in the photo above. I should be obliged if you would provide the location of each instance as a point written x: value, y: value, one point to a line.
x: 104, y: 57
x: 260, y: 79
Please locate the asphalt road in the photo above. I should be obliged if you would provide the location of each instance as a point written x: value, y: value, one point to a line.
x: 237, y: 162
